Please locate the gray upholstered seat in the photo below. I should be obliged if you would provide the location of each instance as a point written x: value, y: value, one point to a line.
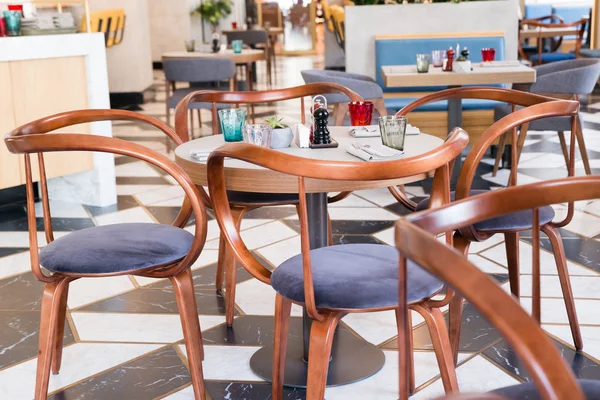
x: 354, y: 276
x: 196, y: 70
x: 250, y: 198
x: 564, y: 77
x: 528, y: 391
x: 365, y: 86
x: 116, y: 248
x: 517, y: 221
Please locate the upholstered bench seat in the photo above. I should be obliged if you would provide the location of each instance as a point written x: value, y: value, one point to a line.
x: 528, y: 391
x: 397, y: 103
x: 517, y: 221
x: 116, y: 248
x: 552, y: 57
x: 354, y: 276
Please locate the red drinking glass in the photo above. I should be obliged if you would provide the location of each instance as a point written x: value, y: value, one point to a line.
x: 234, y: 25
x: 2, y: 27
x: 16, y: 7
x: 488, y: 54
x: 361, y: 112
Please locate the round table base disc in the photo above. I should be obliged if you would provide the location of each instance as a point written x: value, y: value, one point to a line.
x: 352, y: 360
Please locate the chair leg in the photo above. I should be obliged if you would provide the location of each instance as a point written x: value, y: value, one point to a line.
x: 582, y: 149
x: 519, y: 149
x: 191, y: 124
x: 199, y: 113
x: 563, y: 146
x: 60, y: 331
x: 512, y: 257
x: 51, y: 300
x: 411, y: 354
x: 221, y: 262
x: 283, y: 307
x: 441, y: 345
x: 321, y: 339
x: 330, y: 229
x: 499, y: 154
x: 456, y: 304
x: 565, y: 282
x: 231, y: 269
x: 168, y: 139
x: 183, y: 285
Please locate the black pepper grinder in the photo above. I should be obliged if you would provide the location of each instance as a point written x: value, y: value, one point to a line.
x: 321, y: 133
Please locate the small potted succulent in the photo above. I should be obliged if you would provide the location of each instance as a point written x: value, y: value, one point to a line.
x: 462, y: 63
x: 282, y: 135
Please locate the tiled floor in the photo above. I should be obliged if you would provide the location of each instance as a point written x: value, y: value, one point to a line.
x: 124, y: 340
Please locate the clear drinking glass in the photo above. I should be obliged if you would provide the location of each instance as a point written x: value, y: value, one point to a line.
x: 190, y: 45
x: 258, y: 134
x: 237, y: 45
x: 422, y: 63
x: 393, y: 131
x: 437, y: 58
x: 232, y: 120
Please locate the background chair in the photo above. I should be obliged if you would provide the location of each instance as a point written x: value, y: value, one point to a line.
x: 365, y: 86
x: 568, y: 80
x: 256, y: 38
x: 543, y: 56
x: 243, y: 202
x: 143, y: 249
x: 333, y: 281
x: 537, y: 107
x: 415, y: 239
x: 198, y: 72
x: 548, y: 45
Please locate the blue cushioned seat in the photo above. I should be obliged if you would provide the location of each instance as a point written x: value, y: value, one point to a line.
x: 116, y: 248
x: 517, y: 221
x: 261, y: 198
x: 528, y: 391
x: 590, y: 53
x: 552, y: 57
x: 354, y: 276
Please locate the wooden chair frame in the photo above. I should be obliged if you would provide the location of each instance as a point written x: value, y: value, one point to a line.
x: 325, y: 320
x: 582, y: 23
x: 537, y: 107
x: 31, y: 138
x: 226, y: 270
x: 552, y: 18
x: 415, y: 238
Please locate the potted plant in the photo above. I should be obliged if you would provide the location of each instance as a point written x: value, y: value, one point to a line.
x: 282, y: 135
x: 212, y: 11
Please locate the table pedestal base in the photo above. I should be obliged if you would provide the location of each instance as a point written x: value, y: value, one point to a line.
x: 352, y: 360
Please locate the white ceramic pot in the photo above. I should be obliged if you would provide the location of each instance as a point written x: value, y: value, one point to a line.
x: 462, y: 66
x: 281, y: 138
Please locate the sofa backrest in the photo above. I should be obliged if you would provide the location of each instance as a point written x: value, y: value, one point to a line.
x: 533, y: 11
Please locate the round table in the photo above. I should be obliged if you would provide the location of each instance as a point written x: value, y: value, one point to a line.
x: 353, y: 358
x: 245, y: 58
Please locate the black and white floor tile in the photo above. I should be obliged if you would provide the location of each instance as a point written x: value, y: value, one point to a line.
x: 123, y: 338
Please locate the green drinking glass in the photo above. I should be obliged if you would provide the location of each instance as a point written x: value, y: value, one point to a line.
x: 232, y: 120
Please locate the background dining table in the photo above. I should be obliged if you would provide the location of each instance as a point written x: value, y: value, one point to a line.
x: 246, y: 58
x: 353, y: 359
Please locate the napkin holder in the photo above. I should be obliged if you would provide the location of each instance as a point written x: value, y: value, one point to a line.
x: 302, y: 136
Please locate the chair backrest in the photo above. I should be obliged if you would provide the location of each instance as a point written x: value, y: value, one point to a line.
x: 570, y: 77
x: 415, y: 239
x: 536, y: 107
x: 533, y: 11
x: 35, y: 137
x: 579, y: 24
x: 250, y: 37
x: 110, y: 22
x: 198, y: 69
x: 303, y: 168
x: 267, y: 96
x: 327, y: 15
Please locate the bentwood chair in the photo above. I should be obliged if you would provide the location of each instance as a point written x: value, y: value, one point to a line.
x: 525, y: 50
x: 566, y: 80
x: 415, y: 240
x: 536, y: 108
x: 243, y: 202
x: 333, y: 281
x: 142, y: 249
x: 543, y: 57
x: 361, y: 84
